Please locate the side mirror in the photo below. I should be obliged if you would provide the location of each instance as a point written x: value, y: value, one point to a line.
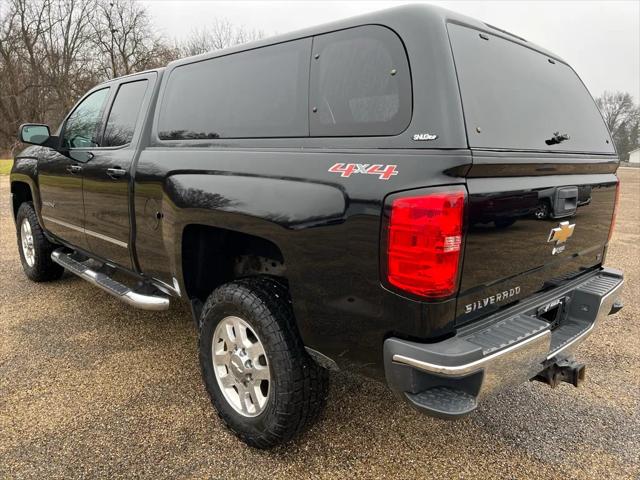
x: 34, y: 133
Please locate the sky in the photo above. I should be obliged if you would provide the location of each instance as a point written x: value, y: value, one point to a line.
x: 599, y: 39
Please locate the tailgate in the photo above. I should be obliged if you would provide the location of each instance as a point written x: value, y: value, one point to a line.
x: 530, y: 232
x: 542, y: 185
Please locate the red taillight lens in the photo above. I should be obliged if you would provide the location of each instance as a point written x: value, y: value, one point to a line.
x: 424, y: 242
x: 615, y: 211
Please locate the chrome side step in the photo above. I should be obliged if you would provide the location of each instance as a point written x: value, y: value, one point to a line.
x: 109, y: 285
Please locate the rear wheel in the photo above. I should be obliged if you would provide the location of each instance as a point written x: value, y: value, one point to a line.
x: 35, y: 250
x: 240, y: 366
x: 264, y: 385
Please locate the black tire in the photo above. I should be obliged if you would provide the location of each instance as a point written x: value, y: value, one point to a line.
x: 298, y: 386
x: 43, y: 269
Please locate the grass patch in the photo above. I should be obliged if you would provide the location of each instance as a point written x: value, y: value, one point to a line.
x: 5, y: 166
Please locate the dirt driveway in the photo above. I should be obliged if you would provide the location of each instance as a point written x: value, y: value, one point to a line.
x: 90, y: 387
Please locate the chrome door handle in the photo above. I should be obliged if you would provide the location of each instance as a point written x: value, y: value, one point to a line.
x: 116, y: 172
x: 74, y: 169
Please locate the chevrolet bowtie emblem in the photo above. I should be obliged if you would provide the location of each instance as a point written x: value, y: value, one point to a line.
x: 560, y: 234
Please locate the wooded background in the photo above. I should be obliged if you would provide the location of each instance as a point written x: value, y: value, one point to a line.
x: 52, y: 51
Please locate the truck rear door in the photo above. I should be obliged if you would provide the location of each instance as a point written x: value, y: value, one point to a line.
x: 542, y: 187
x: 107, y: 175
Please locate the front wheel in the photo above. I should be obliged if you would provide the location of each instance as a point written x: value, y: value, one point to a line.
x: 35, y: 249
x: 264, y: 385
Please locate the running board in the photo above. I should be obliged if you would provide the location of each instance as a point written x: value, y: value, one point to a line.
x: 109, y: 285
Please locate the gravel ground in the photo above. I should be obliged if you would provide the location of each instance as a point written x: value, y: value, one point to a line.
x: 90, y: 387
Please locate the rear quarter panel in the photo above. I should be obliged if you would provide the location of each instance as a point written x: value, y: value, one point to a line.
x: 326, y: 226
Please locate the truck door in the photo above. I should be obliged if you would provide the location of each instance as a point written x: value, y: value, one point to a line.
x: 107, y: 175
x: 60, y: 176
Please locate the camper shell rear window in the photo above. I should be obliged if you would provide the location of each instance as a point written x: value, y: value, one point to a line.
x: 517, y: 98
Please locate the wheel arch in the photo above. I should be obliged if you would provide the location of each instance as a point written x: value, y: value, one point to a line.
x: 212, y: 256
x: 24, y: 187
x: 21, y: 192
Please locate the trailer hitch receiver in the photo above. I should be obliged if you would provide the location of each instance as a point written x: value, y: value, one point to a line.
x: 565, y: 370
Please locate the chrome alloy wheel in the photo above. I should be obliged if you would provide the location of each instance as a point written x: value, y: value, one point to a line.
x: 241, y: 367
x: 26, y: 240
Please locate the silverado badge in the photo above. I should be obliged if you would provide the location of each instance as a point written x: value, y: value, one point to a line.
x: 560, y: 235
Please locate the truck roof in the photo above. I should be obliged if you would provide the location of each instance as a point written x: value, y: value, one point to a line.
x: 392, y: 17
x: 158, y: 69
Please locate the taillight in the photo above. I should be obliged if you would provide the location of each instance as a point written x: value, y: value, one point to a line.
x: 424, y: 239
x: 615, y: 212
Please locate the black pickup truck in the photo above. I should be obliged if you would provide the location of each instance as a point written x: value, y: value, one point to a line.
x: 362, y: 195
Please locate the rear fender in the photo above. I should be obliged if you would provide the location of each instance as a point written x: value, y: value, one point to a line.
x: 278, y: 210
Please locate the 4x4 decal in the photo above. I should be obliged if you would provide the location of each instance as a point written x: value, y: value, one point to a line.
x: 384, y: 172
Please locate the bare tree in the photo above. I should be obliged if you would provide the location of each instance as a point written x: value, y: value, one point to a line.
x: 617, y: 108
x: 622, y: 117
x: 22, y: 27
x: 124, y: 38
x: 52, y: 51
x: 220, y: 34
x: 45, y: 60
x: 66, y: 52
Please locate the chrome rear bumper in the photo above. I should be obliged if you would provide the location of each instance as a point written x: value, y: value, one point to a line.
x: 509, y: 348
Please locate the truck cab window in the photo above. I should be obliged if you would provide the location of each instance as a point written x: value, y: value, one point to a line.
x: 124, y: 113
x: 81, y: 128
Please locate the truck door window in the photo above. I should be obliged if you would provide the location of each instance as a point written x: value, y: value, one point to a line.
x: 124, y: 114
x: 81, y: 128
x: 360, y: 83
